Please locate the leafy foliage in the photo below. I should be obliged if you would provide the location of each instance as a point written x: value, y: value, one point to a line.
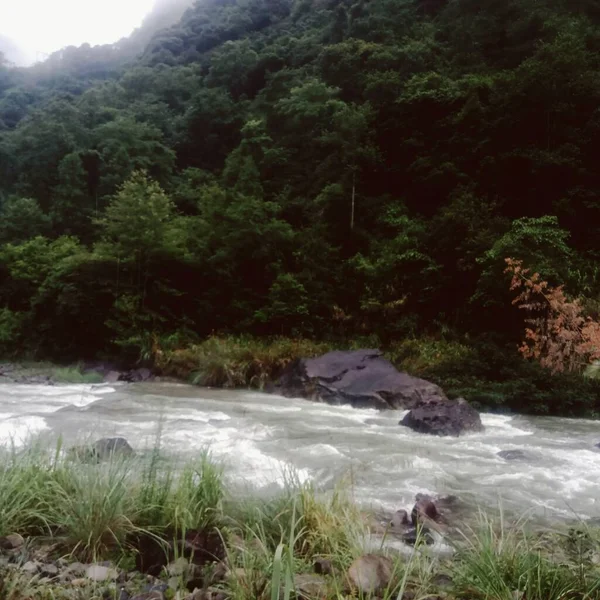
x: 301, y: 168
x: 560, y: 336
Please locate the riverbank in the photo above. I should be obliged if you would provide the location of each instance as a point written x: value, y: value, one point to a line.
x: 491, y: 377
x: 132, y: 527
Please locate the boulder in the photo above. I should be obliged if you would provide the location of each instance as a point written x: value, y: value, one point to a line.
x: 103, y: 449
x: 136, y: 375
x: 322, y: 566
x: 309, y: 586
x: 370, y: 574
x: 111, y: 377
x: 423, y: 510
x: 513, y: 455
x: 200, y: 547
x: 444, y: 417
x: 399, y: 519
x: 361, y: 378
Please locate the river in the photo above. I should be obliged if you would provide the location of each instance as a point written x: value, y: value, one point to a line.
x: 261, y: 437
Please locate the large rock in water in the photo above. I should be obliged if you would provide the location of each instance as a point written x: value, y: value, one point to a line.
x: 449, y: 418
x: 361, y: 378
x: 103, y: 449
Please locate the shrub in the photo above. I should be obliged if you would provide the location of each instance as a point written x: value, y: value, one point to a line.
x: 236, y: 361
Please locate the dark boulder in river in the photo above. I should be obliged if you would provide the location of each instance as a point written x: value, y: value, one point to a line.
x: 444, y: 417
x: 360, y: 378
x: 103, y: 449
x: 513, y: 455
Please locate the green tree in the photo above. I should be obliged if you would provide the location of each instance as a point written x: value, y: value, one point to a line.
x: 22, y: 219
x: 135, y: 223
x: 71, y: 209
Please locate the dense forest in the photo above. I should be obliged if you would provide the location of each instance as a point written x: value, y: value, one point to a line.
x: 318, y: 168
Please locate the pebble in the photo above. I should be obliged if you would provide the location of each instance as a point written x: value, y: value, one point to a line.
x: 101, y: 573
x: 73, y: 571
x: 49, y: 570
x: 179, y: 567
x: 30, y: 567
x: 12, y: 541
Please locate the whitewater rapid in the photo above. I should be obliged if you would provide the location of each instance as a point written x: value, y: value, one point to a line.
x: 262, y: 439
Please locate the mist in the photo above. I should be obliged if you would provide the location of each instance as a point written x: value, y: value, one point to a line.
x: 30, y: 30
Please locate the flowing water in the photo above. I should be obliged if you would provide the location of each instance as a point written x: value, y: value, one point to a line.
x: 261, y: 437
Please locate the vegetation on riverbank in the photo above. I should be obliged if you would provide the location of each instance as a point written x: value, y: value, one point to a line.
x: 68, y: 511
x: 483, y: 372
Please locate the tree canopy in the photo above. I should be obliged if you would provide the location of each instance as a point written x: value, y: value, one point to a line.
x: 306, y: 167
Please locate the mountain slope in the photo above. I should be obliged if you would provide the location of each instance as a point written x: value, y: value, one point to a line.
x: 325, y: 168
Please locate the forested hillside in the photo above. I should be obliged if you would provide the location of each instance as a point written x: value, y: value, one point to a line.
x: 323, y: 168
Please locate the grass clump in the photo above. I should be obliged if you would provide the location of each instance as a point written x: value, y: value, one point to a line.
x: 93, y: 509
x: 75, y: 375
x: 503, y: 563
x: 234, y: 362
x: 24, y: 496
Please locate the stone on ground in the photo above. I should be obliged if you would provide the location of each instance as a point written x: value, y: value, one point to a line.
x: 370, y: 573
x: 101, y: 573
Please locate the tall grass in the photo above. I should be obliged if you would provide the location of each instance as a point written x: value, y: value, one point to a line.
x: 272, y: 542
x: 24, y: 497
x: 92, y: 508
x: 502, y: 562
x: 236, y: 361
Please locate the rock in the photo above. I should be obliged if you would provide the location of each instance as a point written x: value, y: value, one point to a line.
x: 156, y: 595
x: 362, y: 378
x: 103, y: 449
x: 441, y: 580
x: 179, y: 568
x: 101, y: 573
x: 415, y: 535
x: 112, y: 377
x: 400, y: 519
x: 513, y: 455
x: 323, y: 566
x: 107, y: 447
x: 200, y: 547
x: 219, y: 573
x: 136, y: 375
x: 80, y: 582
x: 49, y: 570
x: 423, y: 509
x: 370, y: 573
x: 310, y: 586
x: 73, y: 571
x: 31, y: 568
x: 11, y: 542
x: 444, y: 418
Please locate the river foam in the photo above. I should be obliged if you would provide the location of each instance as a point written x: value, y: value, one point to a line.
x: 263, y: 438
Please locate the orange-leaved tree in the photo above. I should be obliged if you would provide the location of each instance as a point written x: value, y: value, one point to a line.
x: 559, y: 334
